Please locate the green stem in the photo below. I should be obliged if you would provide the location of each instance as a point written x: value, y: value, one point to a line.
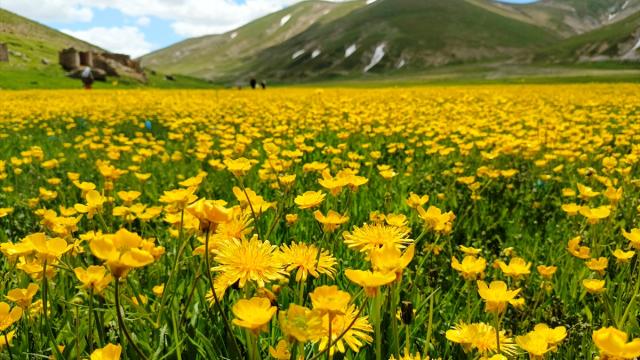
x: 497, y: 323
x: 215, y: 296
x: 429, y: 326
x: 121, y: 324
x: 631, y: 303
x: 329, y: 337
x: 6, y: 340
x: 395, y: 340
x: 90, y: 321
x: 377, y: 322
x: 45, y: 292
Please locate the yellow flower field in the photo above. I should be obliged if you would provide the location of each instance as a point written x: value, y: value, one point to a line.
x: 490, y: 222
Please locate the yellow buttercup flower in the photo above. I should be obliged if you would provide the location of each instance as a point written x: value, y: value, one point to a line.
x: 331, y: 221
x: 109, y: 352
x: 370, y: 280
x: 253, y: 314
x: 121, y: 252
x: 210, y: 213
x: 128, y: 197
x: 389, y: 258
x: 23, y: 297
x: 546, y: 271
x: 517, y: 268
x: 281, y: 351
x: 178, y: 199
x: 594, y: 215
x: 94, y: 278
x: 8, y: 316
x: 309, y: 199
x: 496, y: 295
x: 623, y: 256
x: 328, y: 299
x: 369, y: 237
x: 614, y: 344
x: 436, y: 220
x: 594, y: 286
x: 301, y: 323
x: 633, y: 236
x: 586, y: 192
x: 48, y: 249
x: 238, y: 167
x: 470, y: 268
x: 414, y: 201
x: 598, y: 265
x: 575, y: 249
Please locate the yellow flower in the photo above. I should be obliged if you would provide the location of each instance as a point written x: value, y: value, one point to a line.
x: 5, y: 211
x: 534, y: 344
x: 309, y: 199
x: 623, y: 256
x: 571, y: 209
x: 613, y: 344
x: 409, y: 356
x: 23, y: 297
x: 581, y: 252
x: 470, y: 268
x: 598, y: 265
x: 354, y: 337
x: 547, y: 271
x: 158, y: 290
x: 496, y: 295
x: 370, y: 280
x: 468, y: 250
x: 128, y: 197
x: 369, y: 237
x: 291, y: 218
x: 256, y: 203
x: 210, y: 213
x: 8, y: 316
x: 3, y: 341
x: 281, y: 351
x: 436, y: 220
x: 328, y: 299
x: 248, y: 260
x: 307, y: 259
x: 553, y: 336
x: 109, y: 352
x: 594, y: 215
x: 414, y: 201
x: 516, y: 269
x: 300, y: 323
x: 331, y: 221
x: 253, y: 314
x: 633, y: 236
x: 121, y: 252
x: 48, y: 250
x: 480, y: 337
x: 178, y: 199
x: 586, y: 192
x: 238, y: 167
x: 94, y: 277
x: 594, y: 286
x: 389, y: 258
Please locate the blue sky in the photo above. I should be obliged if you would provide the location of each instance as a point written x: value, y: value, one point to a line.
x: 137, y: 27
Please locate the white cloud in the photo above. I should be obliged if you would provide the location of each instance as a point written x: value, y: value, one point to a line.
x: 51, y: 10
x: 143, y: 21
x: 126, y: 39
x: 187, y: 17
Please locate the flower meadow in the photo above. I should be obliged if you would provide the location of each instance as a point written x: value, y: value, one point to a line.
x: 489, y: 222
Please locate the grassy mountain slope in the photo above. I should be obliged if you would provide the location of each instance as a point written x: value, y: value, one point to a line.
x: 618, y: 41
x: 217, y: 55
x: 566, y: 17
x: 34, y: 41
x: 415, y: 34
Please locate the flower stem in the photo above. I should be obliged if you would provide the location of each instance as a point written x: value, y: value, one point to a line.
x: 377, y: 320
x: 329, y: 337
x: 6, y: 341
x: 121, y: 324
x: 90, y: 321
x: 497, y: 320
x: 45, y: 292
x: 215, y: 296
x: 395, y: 341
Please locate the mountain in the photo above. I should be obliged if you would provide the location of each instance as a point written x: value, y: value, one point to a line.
x: 30, y: 42
x: 215, y: 56
x: 619, y: 41
x: 351, y: 37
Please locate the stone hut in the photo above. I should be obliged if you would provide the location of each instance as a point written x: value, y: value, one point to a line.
x: 4, y: 53
x: 86, y: 58
x: 69, y: 59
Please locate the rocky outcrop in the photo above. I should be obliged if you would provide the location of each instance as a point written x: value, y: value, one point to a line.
x: 104, y: 63
x: 4, y: 53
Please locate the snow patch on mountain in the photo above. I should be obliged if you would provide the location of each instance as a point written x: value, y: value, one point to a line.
x: 297, y: 54
x: 378, y: 54
x: 350, y: 50
x: 285, y: 19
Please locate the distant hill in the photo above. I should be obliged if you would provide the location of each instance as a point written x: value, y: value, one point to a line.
x: 228, y: 54
x: 31, y: 42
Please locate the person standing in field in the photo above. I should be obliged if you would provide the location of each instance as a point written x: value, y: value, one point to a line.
x: 87, y: 78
